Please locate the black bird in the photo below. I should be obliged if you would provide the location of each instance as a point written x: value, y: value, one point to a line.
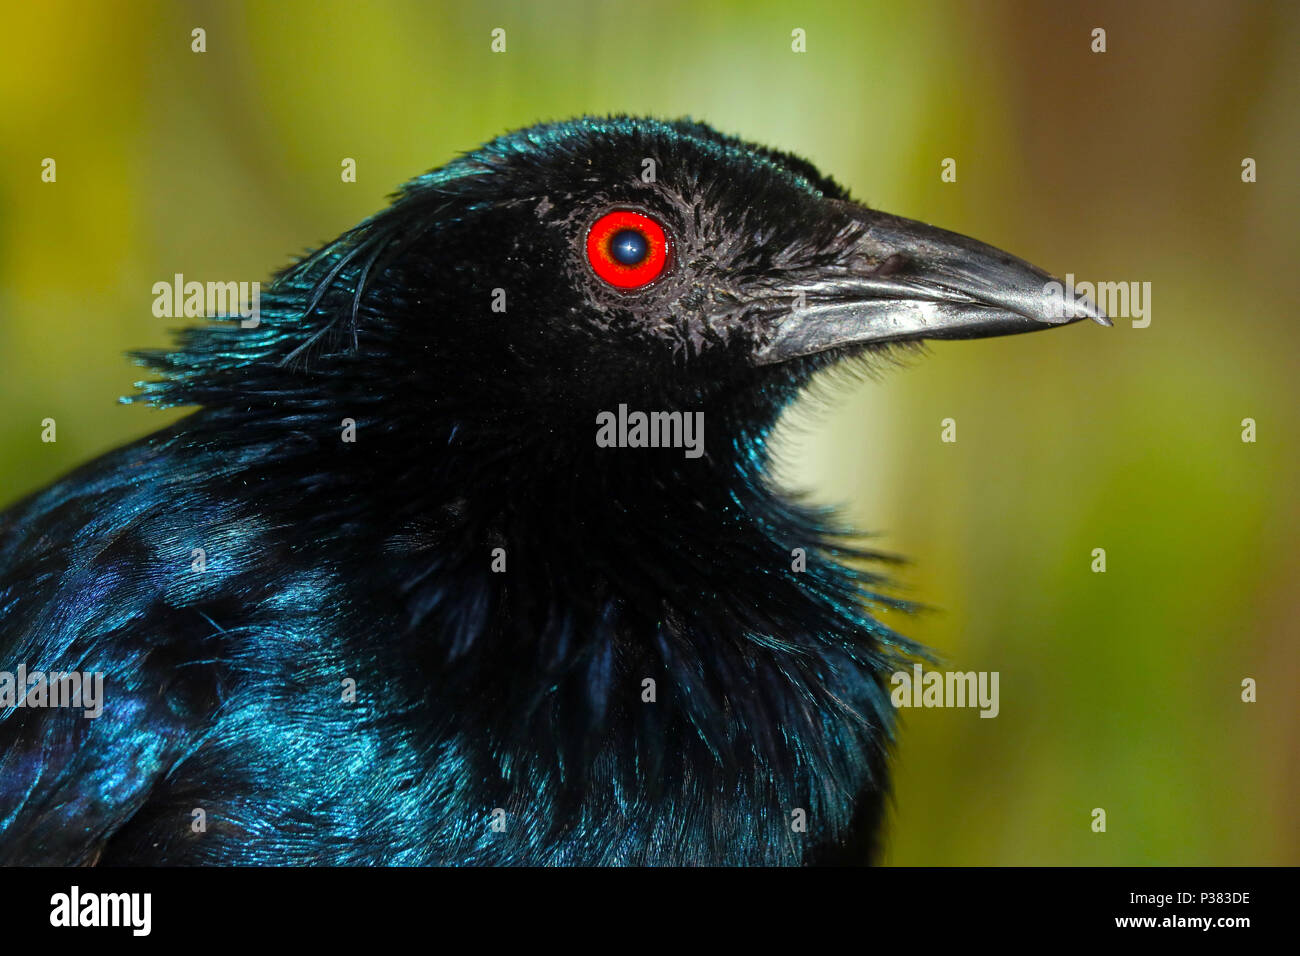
x: 389, y: 595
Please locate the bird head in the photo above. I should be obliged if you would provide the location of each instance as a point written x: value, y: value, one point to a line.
x: 666, y: 254
x: 573, y: 266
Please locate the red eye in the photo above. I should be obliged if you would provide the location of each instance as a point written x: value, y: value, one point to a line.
x: 627, y: 250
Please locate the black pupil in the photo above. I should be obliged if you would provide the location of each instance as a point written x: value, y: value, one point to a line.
x: 629, y: 247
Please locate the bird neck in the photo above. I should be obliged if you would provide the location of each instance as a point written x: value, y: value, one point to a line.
x: 675, y: 617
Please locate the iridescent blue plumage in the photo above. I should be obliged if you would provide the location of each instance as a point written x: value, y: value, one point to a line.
x: 331, y: 564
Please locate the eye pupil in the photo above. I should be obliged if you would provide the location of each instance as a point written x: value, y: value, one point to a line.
x: 628, y: 246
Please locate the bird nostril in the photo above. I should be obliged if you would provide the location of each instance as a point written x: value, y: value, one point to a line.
x: 893, y: 264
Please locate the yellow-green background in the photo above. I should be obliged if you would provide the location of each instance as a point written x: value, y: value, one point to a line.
x: 1118, y: 690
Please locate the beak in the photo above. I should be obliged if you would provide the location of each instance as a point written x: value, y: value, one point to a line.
x: 908, y: 281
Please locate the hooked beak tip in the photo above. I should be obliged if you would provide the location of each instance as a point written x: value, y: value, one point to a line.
x: 1083, y: 307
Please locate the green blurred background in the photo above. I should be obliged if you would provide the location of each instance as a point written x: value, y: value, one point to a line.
x: 1118, y: 690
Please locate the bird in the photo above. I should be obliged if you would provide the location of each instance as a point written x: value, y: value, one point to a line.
x: 469, y: 552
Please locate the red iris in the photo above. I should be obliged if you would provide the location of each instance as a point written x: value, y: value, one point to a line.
x: 627, y: 250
